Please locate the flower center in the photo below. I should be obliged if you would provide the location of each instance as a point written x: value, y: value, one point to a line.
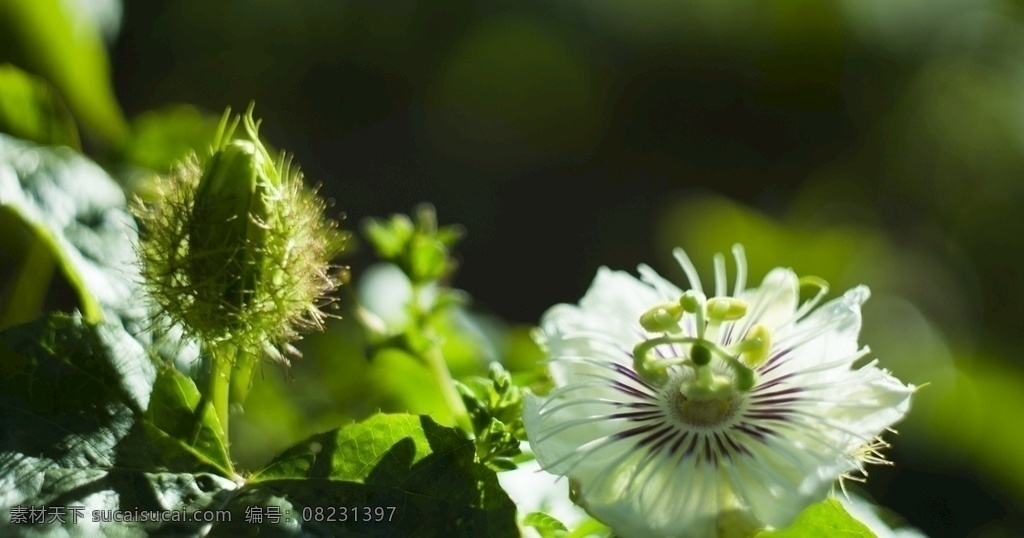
x: 702, y: 349
x: 704, y: 411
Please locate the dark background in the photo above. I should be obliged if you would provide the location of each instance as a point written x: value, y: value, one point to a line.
x: 553, y: 138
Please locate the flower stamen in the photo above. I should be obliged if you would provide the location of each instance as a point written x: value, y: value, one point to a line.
x: 709, y: 314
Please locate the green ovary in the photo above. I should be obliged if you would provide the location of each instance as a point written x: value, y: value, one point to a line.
x: 705, y: 411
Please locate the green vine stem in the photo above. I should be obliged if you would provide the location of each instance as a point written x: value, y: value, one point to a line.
x: 434, y: 358
x: 439, y: 369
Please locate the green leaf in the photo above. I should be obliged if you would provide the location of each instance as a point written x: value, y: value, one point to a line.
x: 115, y: 406
x: 419, y: 248
x: 26, y: 269
x: 427, y: 260
x: 495, y: 407
x: 388, y: 237
x: 547, y: 526
x: 184, y: 440
x: 90, y: 420
x: 160, y: 138
x: 590, y: 527
x: 30, y: 482
x: 65, y: 209
x: 827, y: 518
x: 425, y: 470
x: 31, y: 109
x: 122, y: 436
x: 41, y: 37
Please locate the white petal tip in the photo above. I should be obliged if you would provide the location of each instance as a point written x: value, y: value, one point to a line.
x: 857, y: 296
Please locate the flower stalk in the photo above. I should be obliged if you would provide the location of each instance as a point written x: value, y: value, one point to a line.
x: 220, y: 359
x: 433, y: 357
x: 421, y: 249
x: 434, y: 360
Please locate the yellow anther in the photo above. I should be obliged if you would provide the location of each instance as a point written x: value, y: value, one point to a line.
x: 726, y: 308
x: 662, y: 318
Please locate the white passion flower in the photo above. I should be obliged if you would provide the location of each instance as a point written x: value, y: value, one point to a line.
x: 674, y: 414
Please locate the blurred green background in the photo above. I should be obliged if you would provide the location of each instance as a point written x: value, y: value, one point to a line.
x: 863, y: 141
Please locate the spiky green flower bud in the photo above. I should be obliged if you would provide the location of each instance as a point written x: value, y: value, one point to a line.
x: 237, y: 249
x: 228, y: 223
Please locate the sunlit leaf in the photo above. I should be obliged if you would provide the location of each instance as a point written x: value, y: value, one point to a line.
x: 410, y: 462
x: 41, y: 37
x: 827, y: 518
x: 976, y: 417
x: 545, y: 525
x: 92, y: 421
x: 31, y: 109
x: 116, y: 406
x: 160, y: 138
x: 70, y: 210
x: 128, y: 434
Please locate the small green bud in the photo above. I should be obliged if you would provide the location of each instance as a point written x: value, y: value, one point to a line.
x: 388, y: 237
x: 662, y: 318
x: 450, y: 235
x: 227, y: 224
x: 426, y: 219
x: 501, y: 379
x: 726, y: 308
x: 427, y: 259
x: 420, y: 248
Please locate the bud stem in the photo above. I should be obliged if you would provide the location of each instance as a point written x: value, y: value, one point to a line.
x: 220, y: 359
